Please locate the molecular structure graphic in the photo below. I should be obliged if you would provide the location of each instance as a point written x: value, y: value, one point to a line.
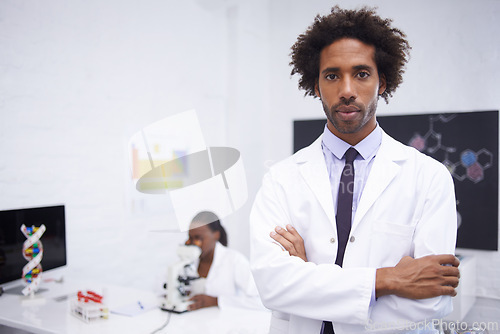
x: 471, y: 165
x: 32, y: 252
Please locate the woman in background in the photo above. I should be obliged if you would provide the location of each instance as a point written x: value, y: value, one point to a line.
x: 225, y: 277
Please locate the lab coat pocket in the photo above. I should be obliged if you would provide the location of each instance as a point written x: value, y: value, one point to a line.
x: 389, y: 243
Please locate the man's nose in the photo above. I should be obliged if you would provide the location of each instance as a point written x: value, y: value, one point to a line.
x: 347, y: 90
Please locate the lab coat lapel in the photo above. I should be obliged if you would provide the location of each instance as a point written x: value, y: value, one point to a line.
x: 312, y: 166
x: 382, y: 173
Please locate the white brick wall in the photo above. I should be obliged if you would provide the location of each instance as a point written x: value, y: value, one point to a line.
x: 76, y: 81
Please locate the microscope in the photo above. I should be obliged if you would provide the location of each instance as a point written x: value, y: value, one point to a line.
x: 179, y: 278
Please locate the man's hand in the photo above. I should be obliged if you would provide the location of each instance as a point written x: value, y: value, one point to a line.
x: 426, y: 277
x: 291, y: 240
x: 200, y: 301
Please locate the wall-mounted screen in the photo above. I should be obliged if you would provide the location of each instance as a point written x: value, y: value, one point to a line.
x: 467, y: 144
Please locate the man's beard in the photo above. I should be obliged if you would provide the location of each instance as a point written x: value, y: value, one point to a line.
x: 350, y: 127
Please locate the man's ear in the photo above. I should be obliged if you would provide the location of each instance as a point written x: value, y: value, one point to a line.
x: 316, y: 90
x: 382, y: 85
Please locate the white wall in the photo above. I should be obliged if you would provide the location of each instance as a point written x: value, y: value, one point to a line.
x: 78, y: 78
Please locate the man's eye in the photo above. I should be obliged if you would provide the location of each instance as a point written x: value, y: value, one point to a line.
x: 363, y: 75
x: 331, y: 76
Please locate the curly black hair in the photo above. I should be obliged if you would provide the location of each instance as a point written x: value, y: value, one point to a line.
x: 391, y: 47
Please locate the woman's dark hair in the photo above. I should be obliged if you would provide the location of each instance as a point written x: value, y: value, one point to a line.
x: 213, y: 223
x: 391, y: 47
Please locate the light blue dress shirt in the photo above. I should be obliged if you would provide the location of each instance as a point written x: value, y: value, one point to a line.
x: 334, y: 149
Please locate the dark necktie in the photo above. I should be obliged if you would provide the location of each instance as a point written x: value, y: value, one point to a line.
x: 344, y: 215
x: 344, y: 203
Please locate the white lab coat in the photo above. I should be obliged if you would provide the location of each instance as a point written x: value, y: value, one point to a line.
x: 407, y: 208
x: 231, y: 281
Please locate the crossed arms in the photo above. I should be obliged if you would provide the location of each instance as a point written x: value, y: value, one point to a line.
x: 426, y: 277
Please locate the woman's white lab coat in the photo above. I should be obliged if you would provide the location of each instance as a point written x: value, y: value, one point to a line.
x: 231, y: 281
x: 407, y: 208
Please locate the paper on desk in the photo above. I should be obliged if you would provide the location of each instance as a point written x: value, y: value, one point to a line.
x: 134, y: 309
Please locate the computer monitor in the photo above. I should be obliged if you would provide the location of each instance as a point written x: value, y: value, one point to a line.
x: 12, y: 239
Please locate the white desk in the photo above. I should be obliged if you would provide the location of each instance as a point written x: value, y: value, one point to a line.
x: 55, y: 317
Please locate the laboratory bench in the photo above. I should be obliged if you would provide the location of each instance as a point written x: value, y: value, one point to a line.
x: 130, y: 311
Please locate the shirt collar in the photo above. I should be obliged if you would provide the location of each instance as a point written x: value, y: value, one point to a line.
x: 366, y: 148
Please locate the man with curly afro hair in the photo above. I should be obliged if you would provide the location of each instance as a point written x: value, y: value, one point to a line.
x: 368, y: 224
